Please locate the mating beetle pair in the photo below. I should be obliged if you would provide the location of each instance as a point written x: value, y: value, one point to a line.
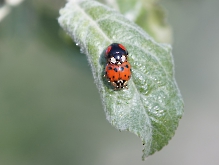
x: 118, y: 69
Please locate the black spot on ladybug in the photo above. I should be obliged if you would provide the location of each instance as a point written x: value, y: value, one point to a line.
x: 127, y: 66
x: 113, y: 76
x: 128, y: 76
x: 110, y: 68
x: 121, y: 68
x: 115, y: 69
x: 125, y: 75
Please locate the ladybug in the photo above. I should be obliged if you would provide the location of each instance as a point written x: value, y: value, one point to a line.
x: 118, y: 75
x: 116, y: 54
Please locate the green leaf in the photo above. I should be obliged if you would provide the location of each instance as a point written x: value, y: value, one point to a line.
x: 148, y: 14
x: 152, y: 105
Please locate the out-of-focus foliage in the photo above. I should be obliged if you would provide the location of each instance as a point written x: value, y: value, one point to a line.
x: 148, y: 14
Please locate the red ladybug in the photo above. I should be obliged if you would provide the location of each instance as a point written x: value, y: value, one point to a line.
x: 116, y: 54
x: 118, y: 75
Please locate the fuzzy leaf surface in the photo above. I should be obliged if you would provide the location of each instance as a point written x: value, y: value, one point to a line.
x: 152, y: 105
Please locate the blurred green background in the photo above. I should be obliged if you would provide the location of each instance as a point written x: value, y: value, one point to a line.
x: 50, y: 109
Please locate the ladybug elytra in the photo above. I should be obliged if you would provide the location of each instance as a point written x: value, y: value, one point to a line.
x: 116, y: 53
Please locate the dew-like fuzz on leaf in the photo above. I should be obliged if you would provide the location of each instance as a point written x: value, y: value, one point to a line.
x: 152, y: 105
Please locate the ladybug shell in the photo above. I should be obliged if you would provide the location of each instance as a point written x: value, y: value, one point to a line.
x: 116, y: 53
x: 118, y: 75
